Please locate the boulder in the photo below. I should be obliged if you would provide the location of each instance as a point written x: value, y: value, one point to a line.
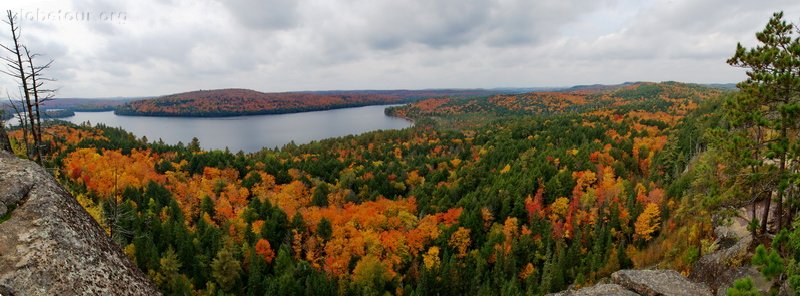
x: 50, y: 246
x: 659, y: 282
x: 721, y: 268
x: 598, y: 290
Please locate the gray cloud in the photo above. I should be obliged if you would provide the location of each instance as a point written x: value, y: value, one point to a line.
x: 167, y: 46
x: 263, y: 14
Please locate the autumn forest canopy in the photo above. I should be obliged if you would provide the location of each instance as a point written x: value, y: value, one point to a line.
x: 529, y: 192
x: 489, y: 193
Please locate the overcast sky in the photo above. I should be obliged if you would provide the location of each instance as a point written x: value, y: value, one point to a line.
x: 155, y: 47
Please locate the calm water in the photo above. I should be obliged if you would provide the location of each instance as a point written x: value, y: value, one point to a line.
x: 250, y: 133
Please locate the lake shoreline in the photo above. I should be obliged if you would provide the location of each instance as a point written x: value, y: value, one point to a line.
x: 251, y: 133
x: 255, y: 113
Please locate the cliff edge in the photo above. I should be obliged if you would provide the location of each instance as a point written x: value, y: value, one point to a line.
x: 50, y: 246
x: 630, y: 282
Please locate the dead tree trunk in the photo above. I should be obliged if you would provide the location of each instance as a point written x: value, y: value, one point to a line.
x: 17, y: 70
x: 23, y: 122
x: 5, y: 144
x: 39, y: 94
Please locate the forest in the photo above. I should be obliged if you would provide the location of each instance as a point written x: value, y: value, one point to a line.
x: 521, y: 204
x: 237, y: 102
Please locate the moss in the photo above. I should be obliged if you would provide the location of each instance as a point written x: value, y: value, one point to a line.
x: 7, y: 215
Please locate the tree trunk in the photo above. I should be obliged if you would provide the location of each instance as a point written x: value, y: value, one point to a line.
x: 753, y: 218
x: 5, y: 144
x: 26, y: 89
x: 765, y: 216
x: 792, y: 205
x: 38, y: 126
x: 781, y: 176
x: 35, y: 84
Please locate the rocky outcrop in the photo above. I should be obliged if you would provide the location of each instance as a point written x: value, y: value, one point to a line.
x: 50, y: 246
x: 643, y: 282
x: 659, y: 282
x: 721, y: 268
x: 598, y: 290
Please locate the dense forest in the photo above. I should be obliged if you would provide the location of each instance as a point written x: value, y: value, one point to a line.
x: 520, y: 204
x: 236, y: 102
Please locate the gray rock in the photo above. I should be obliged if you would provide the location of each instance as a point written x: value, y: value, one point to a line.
x: 726, y: 278
x: 51, y: 246
x: 786, y: 290
x: 722, y: 267
x: 658, y: 282
x: 598, y: 290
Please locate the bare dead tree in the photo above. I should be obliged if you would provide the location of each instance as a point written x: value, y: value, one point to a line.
x: 5, y: 144
x: 40, y: 94
x: 16, y: 69
x: 23, y: 122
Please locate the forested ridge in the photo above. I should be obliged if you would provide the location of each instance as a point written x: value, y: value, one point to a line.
x: 237, y: 102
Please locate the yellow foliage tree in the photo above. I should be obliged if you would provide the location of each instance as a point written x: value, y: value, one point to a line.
x: 526, y: 271
x: 460, y: 241
x: 370, y: 274
x: 414, y: 179
x: 559, y: 208
x: 94, y: 210
x: 648, y: 222
x: 431, y: 258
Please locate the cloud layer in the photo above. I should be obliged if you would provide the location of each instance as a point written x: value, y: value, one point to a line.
x: 153, y: 47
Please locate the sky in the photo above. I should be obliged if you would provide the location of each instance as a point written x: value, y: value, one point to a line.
x: 157, y: 47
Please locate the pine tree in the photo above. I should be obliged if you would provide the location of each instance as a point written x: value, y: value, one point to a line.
x: 324, y: 229
x: 226, y: 269
x: 743, y: 287
x: 769, y: 263
x: 772, y: 95
x: 255, y: 278
x: 320, y: 197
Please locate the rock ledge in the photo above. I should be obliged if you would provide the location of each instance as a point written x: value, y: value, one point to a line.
x: 51, y: 246
x: 643, y: 282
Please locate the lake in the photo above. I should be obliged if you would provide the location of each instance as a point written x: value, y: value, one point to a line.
x: 251, y: 133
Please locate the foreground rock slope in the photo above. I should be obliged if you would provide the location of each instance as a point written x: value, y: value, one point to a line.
x: 50, y: 246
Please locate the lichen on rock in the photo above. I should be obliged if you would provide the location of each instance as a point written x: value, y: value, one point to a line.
x: 659, y: 282
x: 50, y: 246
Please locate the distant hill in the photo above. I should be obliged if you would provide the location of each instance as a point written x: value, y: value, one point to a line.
x: 74, y: 104
x: 88, y: 104
x: 596, y: 87
x: 235, y: 102
x: 625, y: 97
x: 724, y: 86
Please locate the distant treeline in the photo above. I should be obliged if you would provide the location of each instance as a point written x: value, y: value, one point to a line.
x: 222, y: 113
x: 237, y: 102
x: 58, y: 113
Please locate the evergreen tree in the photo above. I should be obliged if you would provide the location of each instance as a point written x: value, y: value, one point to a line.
x: 324, y: 229
x: 743, y: 287
x: 226, y: 269
x: 769, y: 263
x: 255, y: 276
x: 320, y: 197
x: 771, y: 95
